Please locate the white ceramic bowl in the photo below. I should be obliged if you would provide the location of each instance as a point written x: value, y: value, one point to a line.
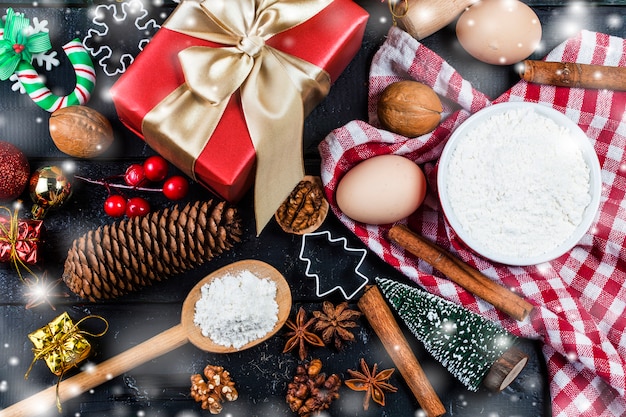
x: 589, y: 155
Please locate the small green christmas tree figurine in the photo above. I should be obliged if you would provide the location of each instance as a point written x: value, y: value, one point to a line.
x: 474, y: 349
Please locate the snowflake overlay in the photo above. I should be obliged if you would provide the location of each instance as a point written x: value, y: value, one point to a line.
x: 115, y: 59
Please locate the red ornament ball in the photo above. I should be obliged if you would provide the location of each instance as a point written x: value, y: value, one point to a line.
x: 14, y: 171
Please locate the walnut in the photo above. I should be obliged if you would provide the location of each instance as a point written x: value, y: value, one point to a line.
x: 80, y: 131
x: 305, y: 209
x: 409, y: 108
x: 212, y: 391
x: 311, y: 391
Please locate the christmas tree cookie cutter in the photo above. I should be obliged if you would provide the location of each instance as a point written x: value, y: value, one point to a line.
x: 355, y: 280
x: 20, y: 42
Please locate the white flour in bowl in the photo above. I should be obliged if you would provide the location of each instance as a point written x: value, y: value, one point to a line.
x: 518, y: 184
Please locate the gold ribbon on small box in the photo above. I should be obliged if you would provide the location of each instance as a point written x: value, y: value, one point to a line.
x: 62, y: 345
x: 277, y: 90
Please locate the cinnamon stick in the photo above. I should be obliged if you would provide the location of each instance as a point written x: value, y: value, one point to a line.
x: 380, y: 317
x: 461, y: 273
x: 571, y: 74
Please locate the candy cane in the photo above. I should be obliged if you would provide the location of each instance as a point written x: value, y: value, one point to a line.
x: 85, y: 80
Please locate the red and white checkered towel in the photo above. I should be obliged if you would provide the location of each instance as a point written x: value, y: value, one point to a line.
x: 580, y: 297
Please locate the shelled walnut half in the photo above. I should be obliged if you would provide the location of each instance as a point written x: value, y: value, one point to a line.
x: 214, y: 390
x: 305, y: 209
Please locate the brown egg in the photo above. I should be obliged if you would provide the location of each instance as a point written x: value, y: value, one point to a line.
x: 382, y: 189
x: 499, y: 32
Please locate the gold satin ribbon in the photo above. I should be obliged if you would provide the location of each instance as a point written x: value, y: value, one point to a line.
x: 277, y: 90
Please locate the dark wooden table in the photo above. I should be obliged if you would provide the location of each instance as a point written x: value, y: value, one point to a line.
x: 161, y: 387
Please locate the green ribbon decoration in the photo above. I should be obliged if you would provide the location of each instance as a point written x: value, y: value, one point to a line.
x: 18, y: 45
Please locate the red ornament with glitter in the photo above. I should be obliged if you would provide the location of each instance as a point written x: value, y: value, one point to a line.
x: 15, y: 171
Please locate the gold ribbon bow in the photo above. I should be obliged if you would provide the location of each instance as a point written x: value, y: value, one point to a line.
x: 277, y: 90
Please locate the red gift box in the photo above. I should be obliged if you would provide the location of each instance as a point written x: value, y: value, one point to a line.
x: 20, y: 239
x: 330, y: 39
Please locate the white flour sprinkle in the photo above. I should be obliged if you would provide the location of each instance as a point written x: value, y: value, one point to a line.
x: 234, y: 310
x: 519, y: 184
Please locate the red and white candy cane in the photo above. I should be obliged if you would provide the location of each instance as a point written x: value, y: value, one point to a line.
x: 85, y: 80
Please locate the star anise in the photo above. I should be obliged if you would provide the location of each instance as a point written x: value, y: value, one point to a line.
x: 374, y: 384
x: 333, y: 322
x: 300, y: 335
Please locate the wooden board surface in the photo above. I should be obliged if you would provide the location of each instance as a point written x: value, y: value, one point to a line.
x: 161, y: 387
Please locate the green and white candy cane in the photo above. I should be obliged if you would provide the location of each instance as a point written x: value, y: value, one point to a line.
x: 41, y: 94
x: 18, y: 44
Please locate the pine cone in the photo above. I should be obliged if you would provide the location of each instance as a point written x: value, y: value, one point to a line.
x: 123, y: 257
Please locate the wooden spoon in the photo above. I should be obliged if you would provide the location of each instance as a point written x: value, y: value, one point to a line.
x: 158, y: 345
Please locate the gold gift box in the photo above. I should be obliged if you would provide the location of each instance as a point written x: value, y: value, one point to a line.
x: 60, y: 344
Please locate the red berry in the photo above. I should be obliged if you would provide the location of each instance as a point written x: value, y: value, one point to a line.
x: 134, y: 175
x: 137, y: 206
x: 155, y: 168
x: 175, y: 187
x: 115, y: 205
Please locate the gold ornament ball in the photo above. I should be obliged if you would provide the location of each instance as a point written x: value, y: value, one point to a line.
x: 49, y: 189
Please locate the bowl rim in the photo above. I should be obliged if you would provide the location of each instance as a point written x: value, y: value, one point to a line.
x: 589, y: 155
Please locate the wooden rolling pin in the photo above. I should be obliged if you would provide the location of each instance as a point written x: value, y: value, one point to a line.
x: 571, y: 74
x: 461, y: 273
x: 422, y: 18
x: 380, y: 317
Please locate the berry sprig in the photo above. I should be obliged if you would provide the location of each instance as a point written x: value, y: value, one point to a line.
x: 136, y: 177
